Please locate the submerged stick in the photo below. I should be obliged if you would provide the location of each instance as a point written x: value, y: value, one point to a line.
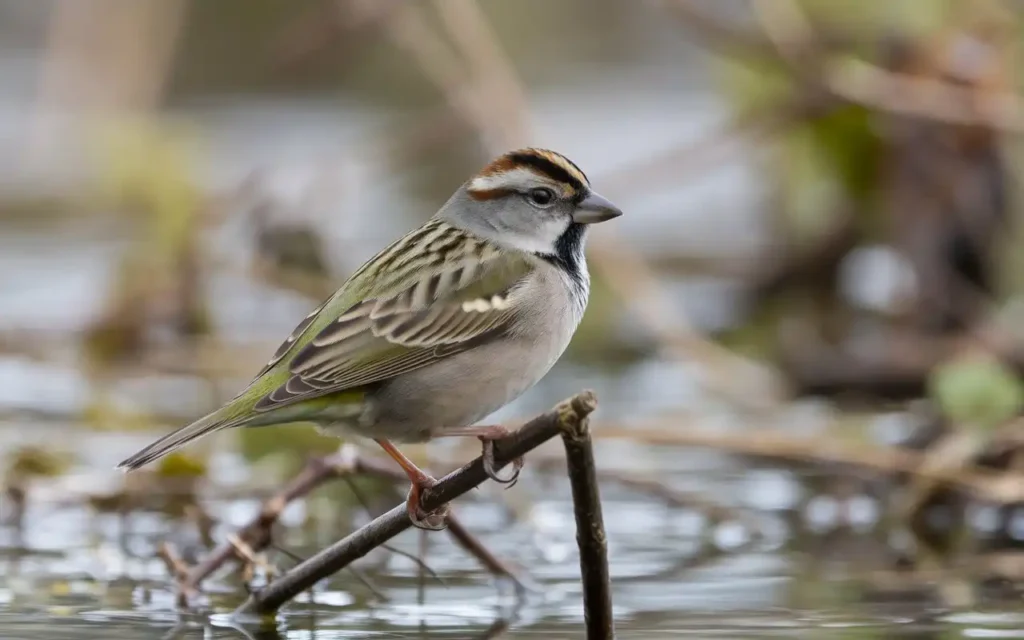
x: 346, y: 463
x: 457, y: 483
x: 590, y: 533
x: 258, y: 534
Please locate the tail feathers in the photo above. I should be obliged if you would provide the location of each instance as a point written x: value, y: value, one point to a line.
x: 172, y: 441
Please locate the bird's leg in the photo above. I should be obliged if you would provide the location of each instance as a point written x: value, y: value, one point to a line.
x: 488, y: 434
x: 430, y: 520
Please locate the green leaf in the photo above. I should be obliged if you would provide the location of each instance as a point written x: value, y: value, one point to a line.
x: 181, y: 465
x: 36, y: 462
x: 977, y: 390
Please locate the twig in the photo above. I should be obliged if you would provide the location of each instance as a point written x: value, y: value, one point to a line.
x: 496, y: 630
x: 874, y: 87
x: 988, y: 485
x: 896, y: 369
x: 359, y: 574
x: 493, y: 73
x: 313, y: 31
x: 177, y: 568
x: 421, y: 574
x: 409, y: 30
x: 387, y: 526
x: 590, y: 533
x: 257, y: 534
x: 491, y: 562
x: 630, y: 276
x: 658, y: 490
x: 416, y: 559
x: 691, y: 159
x: 345, y: 464
x: 715, y: 512
x: 478, y: 44
x: 851, y: 81
x: 717, y: 33
x: 786, y: 26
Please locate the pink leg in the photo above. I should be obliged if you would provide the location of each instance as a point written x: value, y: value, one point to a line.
x: 432, y: 521
x: 487, y: 434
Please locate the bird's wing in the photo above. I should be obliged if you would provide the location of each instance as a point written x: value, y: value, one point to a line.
x: 421, y: 315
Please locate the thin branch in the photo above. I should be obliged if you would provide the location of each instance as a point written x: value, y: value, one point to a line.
x: 621, y: 265
x: 420, y: 563
x: 997, y: 487
x: 716, y: 33
x: 409, y: 30
x: 713, y: 511
x: 421, y: 575
x: 787, y: 27
x: 357, y: 544
x: 493, y: 73
x: 633, y: 280
x: 177, y: 568
x: 590, y: 533
x: 491, y: 562
x: 874, y: 87
x: 345, y: 464
x: 849, y: 81
x: 257, y: 534
x: 316, y: 30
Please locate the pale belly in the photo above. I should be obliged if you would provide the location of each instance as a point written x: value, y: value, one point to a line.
x: 455, y: 393
x: 467, y: 387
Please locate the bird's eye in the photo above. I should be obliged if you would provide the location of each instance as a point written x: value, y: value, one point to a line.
x: 541, y: 197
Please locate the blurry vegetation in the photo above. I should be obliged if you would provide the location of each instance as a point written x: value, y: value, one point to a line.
x: 848, y: 175
x: 148, y: 174
x: 846, y: 171
x: 977, y: 389
x: 34, y: 462
x: 21, y: 467
x: 287, y: 446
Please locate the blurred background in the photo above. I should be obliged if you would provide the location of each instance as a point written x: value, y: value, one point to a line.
x: 805, y: 332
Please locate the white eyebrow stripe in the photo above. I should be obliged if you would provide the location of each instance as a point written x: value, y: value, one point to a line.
x: 518, y: 179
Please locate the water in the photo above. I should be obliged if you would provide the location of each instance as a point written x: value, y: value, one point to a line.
x: 772, y: 573
x: 785, y: 562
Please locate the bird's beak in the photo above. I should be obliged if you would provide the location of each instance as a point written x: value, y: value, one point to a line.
x: 595, y: 208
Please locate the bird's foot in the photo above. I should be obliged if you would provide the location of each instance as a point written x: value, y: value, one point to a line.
x: 436, y: 520
x: 497, y: 432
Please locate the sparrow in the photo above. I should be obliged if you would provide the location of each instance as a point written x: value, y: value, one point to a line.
x: 440, y: 329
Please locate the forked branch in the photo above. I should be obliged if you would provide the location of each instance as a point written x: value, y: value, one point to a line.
x: 566, y: 416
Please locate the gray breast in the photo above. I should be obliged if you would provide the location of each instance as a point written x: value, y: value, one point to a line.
x: 471, y: 385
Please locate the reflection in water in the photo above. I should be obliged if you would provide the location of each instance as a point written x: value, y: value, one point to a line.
x: 678, y: 570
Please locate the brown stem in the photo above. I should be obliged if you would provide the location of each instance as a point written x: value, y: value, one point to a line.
x: 257, y: 534
x: 590, y: 533
x: 491, y: 562
x: 177, y: 568
x: 387, y: 526
x: 777, y: 444
x: 346, y: 463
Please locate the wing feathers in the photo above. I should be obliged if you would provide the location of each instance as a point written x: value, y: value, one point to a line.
x: 434, y: 313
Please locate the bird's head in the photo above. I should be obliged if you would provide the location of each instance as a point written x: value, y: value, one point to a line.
x: 531, y: 200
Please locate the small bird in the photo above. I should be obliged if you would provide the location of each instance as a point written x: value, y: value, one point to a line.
x: 440, y: 329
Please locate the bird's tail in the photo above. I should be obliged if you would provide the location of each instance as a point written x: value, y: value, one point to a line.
x: 223, y: 418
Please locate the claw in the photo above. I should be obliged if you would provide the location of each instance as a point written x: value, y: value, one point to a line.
x: 430, y: 520
x: 436, y: 520
x: 491, y: 469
